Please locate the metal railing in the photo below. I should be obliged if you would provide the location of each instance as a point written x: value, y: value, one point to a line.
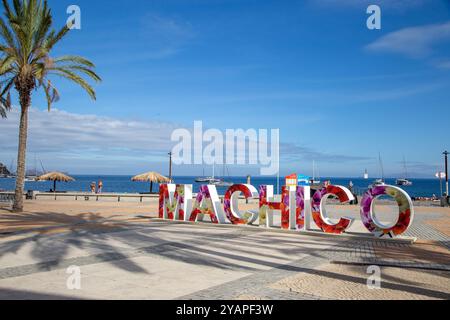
x: 93, y: 196
x: 6, y: 197
x: 97, y: 197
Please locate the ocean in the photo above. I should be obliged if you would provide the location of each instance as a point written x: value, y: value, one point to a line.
x: 123, y: 184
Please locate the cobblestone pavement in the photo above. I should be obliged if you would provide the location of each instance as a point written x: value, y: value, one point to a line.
x: 301, y: 280
x: 340, y: 273
x: 350, y: 282
x: 133, y: 258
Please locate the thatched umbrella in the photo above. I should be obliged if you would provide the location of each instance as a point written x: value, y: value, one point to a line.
x: 152, y: 177
x: 55, y: 176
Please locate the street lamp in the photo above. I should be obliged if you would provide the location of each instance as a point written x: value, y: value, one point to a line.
x: 170, y: 166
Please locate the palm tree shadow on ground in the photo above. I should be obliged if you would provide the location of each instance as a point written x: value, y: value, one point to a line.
x: 50, y: 236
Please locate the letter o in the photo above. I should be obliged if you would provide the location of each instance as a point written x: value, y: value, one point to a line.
x: 404, y: 203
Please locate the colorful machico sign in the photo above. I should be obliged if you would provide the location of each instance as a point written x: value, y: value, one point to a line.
x: 297, y: 207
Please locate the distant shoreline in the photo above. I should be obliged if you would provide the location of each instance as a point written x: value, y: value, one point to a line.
x: 245, y: 176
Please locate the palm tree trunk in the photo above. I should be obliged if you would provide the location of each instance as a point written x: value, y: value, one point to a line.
x: 22, y: 150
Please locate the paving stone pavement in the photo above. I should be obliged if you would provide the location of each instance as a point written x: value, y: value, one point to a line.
x: 157, y: 251
x: 425, y: 232
x: 344, y: 252
x: 256, y: 284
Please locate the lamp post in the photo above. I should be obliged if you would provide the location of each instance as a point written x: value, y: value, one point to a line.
x: 170, y: 166
x: 446, y: 171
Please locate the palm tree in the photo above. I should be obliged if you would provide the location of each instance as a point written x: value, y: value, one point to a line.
x: 5, y: 105
x: 26, y: 41
x: 3, y: 110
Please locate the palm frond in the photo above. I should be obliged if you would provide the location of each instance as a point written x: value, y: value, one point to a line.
x: 74, y: 59
x: 27, y: 38
x: 90, y: 73
x: 70, y: 75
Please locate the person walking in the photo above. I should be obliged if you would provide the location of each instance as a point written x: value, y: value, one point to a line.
x: 93, y: 187
x: 350, y: 187
x: 100, y: 186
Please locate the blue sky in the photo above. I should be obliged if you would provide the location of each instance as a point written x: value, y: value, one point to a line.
x: 338, y: 92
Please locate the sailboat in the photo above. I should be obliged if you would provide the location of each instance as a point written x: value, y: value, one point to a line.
x: 314, y: 181
x: 380, y: 182
x: 209, y: 180
x: 404, y: 182
x: 222, y: 182
x: 32, y: 177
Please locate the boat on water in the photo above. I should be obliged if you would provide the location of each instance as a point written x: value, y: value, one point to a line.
x: 366, y: 175
x: 404, y: 181
x: 314, y: 181
x: 209, y: 180
x: 33, y: 175
x: 378, y: 182
x: 222, y: 183
x: 213, y: 180
x: 381, y: 181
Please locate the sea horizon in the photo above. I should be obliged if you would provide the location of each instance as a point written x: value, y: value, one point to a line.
x: 122, y: 184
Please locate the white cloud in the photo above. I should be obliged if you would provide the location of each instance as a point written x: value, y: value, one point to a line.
x: 94, y: 144
x: 414, y: 42
x: 62, y: 133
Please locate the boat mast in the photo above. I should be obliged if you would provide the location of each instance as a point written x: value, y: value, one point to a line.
x: 406, y: 169
x: 314, y: 171
x: 381, y: 166
x: 42, y: 166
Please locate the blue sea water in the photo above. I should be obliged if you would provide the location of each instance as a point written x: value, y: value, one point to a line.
x: 123, y: 184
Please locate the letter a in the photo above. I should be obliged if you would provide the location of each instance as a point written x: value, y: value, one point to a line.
x: 374, y: 21
x: 74, y: 21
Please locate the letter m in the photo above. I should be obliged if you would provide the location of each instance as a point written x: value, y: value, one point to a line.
x: 175, y: 202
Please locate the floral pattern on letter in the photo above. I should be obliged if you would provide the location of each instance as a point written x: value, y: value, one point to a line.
x: 300, y: 214
x: 203, y: 206
x: 171, y: 207
x: 246, y: 218
x: 325, y: 224
x: 405, y: 208
x: 265, y: 205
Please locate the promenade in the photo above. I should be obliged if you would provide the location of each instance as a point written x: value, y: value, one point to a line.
x: 123, y: 252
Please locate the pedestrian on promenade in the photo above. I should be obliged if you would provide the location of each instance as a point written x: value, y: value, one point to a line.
x: 100, y: 186
x: 93, y: 187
